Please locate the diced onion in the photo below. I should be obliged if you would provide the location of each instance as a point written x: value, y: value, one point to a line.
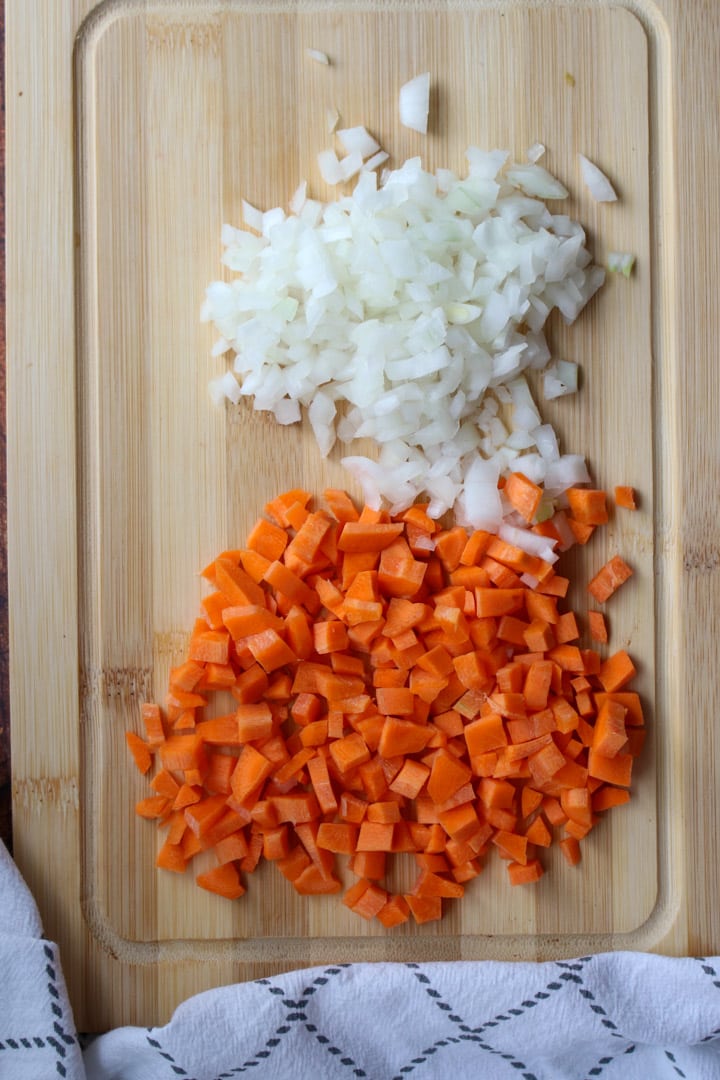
x: 596, y: 181
x: 620, y: 262
x: 408, y: 312
x: 415, y: 103
x: 318, y: 56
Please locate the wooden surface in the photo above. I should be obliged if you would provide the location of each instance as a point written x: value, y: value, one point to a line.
x: 5, y: 800
x: 123, y: 481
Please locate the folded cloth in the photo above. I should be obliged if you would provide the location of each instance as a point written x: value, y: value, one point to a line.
x: 617, y: 1016
x: 37, y: 1030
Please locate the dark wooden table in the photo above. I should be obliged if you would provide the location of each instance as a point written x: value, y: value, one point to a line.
x: 5, y: 816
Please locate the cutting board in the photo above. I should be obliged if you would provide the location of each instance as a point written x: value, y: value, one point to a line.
x: 135, y: 131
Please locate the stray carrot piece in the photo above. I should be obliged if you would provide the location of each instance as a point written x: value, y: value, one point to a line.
x: 153, y: 723
x: 311, y: 882
x: 609, y: 578
x: 570, y: 848
x: 520, y: 874
x: 607, y: 796
x: 598, y: 627
x: 141, y: 752
x: 371, y: 901
x: 625, y: 497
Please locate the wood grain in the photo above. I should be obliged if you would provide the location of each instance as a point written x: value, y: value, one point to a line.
x: 5, y: 799
x: 112, y: 440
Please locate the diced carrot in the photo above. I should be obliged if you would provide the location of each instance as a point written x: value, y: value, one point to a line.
x: 570, y: 848
x: 598, y: 627
x: 625, y: 497
x: 400, y: 687
x: 588, y: 506
x: 523, y: 495
x: 424, y: 908
x: 609, y: 734
x: 520, y: 874
x: 223, y: 880
x: 609, y: 578
x: 616, y: 671
x: 140, y: 751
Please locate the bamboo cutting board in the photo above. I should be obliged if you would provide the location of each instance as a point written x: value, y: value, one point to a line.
x: 135, y: 130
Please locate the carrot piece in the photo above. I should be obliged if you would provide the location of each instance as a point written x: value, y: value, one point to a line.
x: 401, y: 737
x: 375, y: 836
x: 292, y: 865
x: 512, y: 845
x: 566, y: 628
x: 411, y: 779
x: 371, y: 901
x: 529, y: 873
x: 424, y: 908
x: 171, y: 857
x: 394, y: 912
x: 311, y: 882
x: 523, y: 495
x: 598, y: 627
x: 141, y: 752
x: 231, y: 848
x: 587, y: 506
x: 341, y: 838
x: 369, y: 864
x: 609, y: 578
x: 350, y: 752
x: 297, y: 807
x: 251, y: 770
x: 609, y: 734
x: 267, y: 539
x: 276, y: 843
x: 607, y: 796
x: 485, y: 733
x: 538, y: 833
x: 285, y: 581
x: 223, y: 880
x: 616, y: 671
x: 625, y: 497
x: 570, y: 848
x: 613, y: 770
x: 368, y: 536
x: 429, y: 884
x: 447, y: 775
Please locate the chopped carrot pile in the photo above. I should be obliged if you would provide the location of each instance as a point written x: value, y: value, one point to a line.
x: 397, y: 687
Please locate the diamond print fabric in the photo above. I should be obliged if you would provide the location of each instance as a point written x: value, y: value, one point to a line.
x: 617, y: 1016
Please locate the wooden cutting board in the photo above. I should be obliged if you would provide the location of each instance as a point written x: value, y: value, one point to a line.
x: 134, y: 131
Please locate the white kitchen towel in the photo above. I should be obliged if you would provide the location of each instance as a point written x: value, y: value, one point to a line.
x: 616, y: 1016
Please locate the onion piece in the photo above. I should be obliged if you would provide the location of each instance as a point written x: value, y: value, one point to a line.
x: 414, y: 103
x: 620, y: 262
x: 358, y: 140
x: 596, y: 181
x: 318, y: 56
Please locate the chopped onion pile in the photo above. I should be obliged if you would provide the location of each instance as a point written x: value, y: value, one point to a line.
x: 408, y: 312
